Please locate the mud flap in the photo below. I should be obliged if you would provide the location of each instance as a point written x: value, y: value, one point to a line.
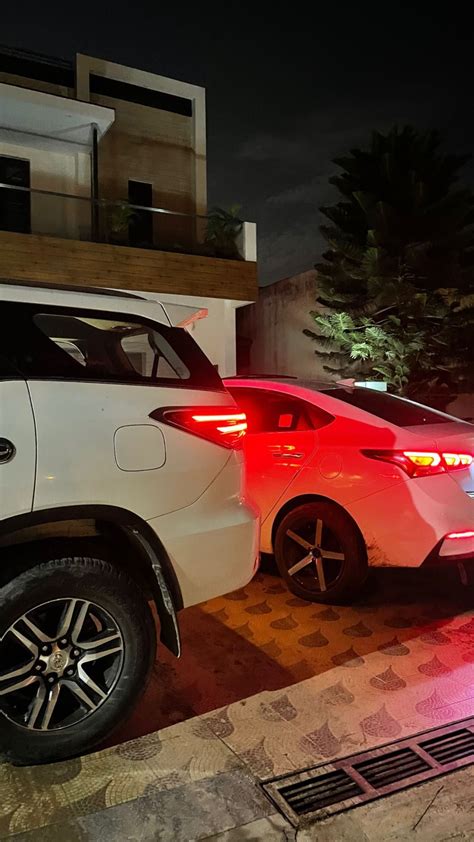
x: 162, y: 596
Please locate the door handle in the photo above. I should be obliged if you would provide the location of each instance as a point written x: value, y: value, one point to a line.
x: 7, y: 450
x: 288, y: 455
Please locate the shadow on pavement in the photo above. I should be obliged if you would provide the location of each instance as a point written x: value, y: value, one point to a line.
x: 264, y: 638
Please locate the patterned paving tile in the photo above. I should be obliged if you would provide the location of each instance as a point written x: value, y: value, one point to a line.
x: 270, y: 683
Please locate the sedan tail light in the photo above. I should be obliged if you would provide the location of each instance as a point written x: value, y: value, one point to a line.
x: 219, y: 424
x: 422, y: 463
x: 469, y: 533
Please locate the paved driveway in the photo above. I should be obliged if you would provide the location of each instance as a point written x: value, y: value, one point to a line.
x: 402, y: 634
x: 267, y: 684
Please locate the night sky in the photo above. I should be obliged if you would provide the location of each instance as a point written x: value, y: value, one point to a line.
x: 286, y: 92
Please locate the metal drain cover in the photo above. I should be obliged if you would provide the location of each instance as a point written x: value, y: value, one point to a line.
x: 323, y: 790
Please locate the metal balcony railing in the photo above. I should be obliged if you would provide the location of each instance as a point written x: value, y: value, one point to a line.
x: 120, y: 223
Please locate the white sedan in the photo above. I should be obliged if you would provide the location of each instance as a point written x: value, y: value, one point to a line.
x: 349, y: 477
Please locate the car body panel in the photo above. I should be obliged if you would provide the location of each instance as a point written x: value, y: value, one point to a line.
x: 85, y: 435
x: 402, y: 520
x: 17, y: 426
x: 84, y: 418
x: 214, y: 543
x: 273, y: 461
x: 109, y: 301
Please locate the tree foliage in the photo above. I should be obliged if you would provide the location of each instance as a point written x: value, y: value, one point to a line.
x: 398, y: 275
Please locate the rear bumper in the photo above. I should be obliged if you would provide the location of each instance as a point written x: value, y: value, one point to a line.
x: 213, y: 544
x: 407, y: 525
x: 457, y: 546
x: 449, y: 551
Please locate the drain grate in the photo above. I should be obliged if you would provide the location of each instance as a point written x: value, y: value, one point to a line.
x: 392, y: 767
x: 450, y: 747
x: 320, y: 792
x: 326, y: 789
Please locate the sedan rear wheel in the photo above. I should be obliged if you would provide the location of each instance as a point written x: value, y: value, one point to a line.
x: 320, y: 553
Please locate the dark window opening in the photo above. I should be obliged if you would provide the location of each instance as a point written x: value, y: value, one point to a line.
x: 273, y: 412
x: 140, y: 229
x: 15, y: 205
x: 30, y: 65
x: 78, y: 345
x: 142, y: 96
x: 398, y: 411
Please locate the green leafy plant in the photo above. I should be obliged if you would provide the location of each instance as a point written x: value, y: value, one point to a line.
x: 223, y: 228
x: 399, y: 270
x: 119, y: 217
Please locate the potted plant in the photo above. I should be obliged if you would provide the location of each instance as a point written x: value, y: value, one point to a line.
x: 118, y: 218
x: 223, y: 228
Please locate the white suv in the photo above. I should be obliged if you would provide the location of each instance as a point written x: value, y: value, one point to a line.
x: 120, y: 486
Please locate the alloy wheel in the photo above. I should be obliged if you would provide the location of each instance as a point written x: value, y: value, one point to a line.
x: 313, y: 554
x: 59, y: 661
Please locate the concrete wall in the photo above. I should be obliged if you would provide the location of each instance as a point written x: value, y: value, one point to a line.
x: 62, y: 173
x: 151, y: 145
x: 274, y: 327
x: 270, y: 334
x: 36, y: 84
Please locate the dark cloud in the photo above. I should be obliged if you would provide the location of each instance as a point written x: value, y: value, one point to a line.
x: 287, y: 175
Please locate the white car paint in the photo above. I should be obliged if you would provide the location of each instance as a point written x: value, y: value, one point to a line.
x: 85, y: 421
x: 192, y: 533
x: 93, y: 442
x: 17, y: 475
x: 402, y: 519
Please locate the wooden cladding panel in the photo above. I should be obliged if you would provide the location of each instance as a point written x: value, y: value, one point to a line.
x: 54, y: 260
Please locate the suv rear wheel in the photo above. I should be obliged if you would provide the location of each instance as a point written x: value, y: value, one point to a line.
x: 77, y: 641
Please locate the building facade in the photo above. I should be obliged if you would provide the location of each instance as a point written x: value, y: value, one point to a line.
x: 103, y: 183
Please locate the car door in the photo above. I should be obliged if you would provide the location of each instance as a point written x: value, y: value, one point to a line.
x: 17, y: 443
x: 279, y: 442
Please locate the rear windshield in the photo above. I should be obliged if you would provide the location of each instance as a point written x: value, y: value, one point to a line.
x: 69, y: 344
x: 398, y: 411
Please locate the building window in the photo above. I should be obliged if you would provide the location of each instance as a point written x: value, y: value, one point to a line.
x: 115, y: 89
x: 140, y: 229
x: 15, y: 205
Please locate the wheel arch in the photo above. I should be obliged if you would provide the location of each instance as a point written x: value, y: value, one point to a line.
x: 140, y: 551
x: 300, y: 500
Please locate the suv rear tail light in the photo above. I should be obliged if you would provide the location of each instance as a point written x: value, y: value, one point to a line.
x: 219, y: 424
x: 422, y: 463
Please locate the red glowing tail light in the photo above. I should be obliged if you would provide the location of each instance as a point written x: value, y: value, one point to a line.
x: 469, y: 533
x: 422, y: 463
x: 220, y: 424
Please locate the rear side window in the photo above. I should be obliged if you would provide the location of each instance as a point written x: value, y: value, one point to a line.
x: 86, y: 345
x: 273, y: 412
x: 7, y: 369
x: 397, y: 411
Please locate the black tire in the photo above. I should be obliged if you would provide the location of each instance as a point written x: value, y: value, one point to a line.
x: 100, y: 591
x: 343, y: 577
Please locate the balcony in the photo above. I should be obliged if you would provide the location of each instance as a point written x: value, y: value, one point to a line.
x: 58, y: 237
